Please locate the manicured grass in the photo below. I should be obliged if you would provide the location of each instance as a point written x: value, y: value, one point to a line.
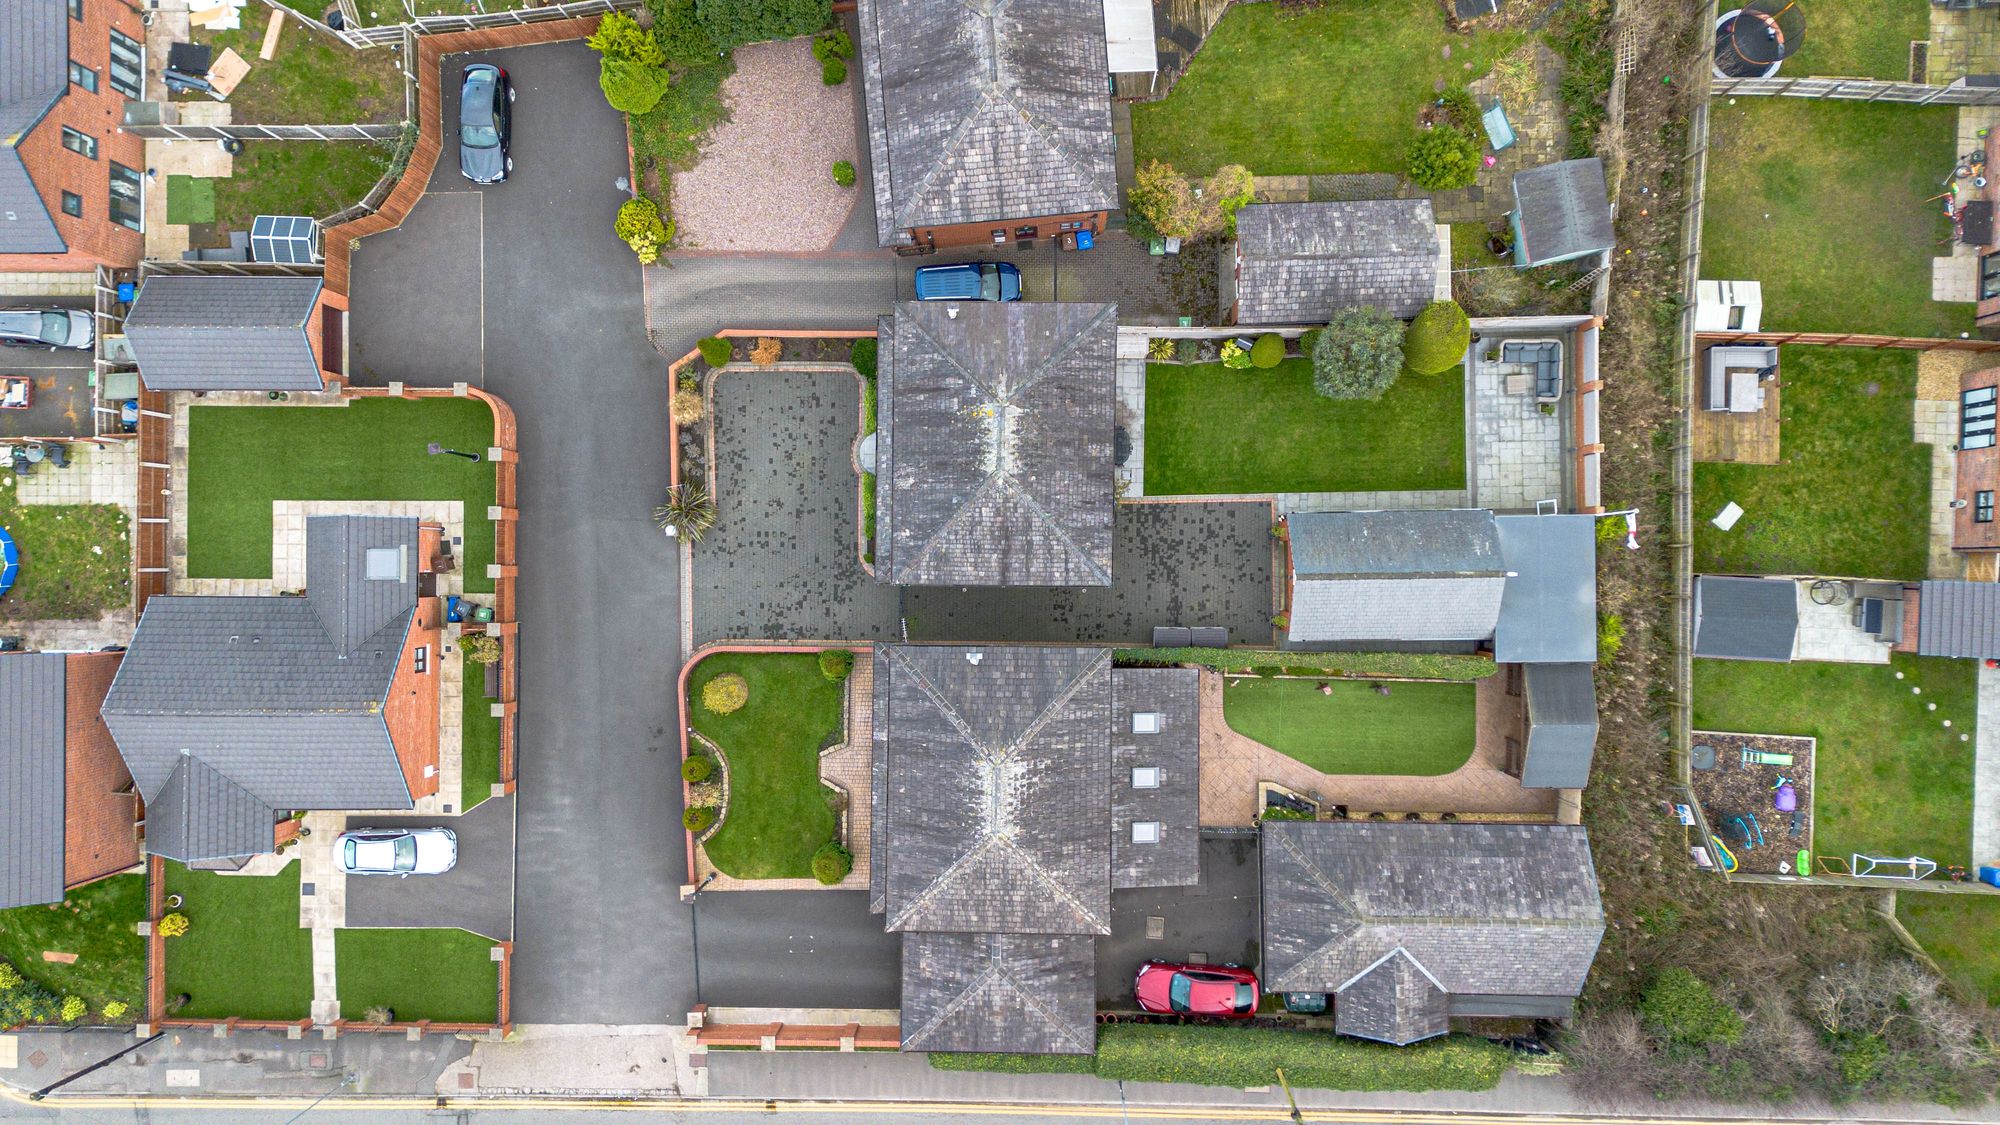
x: 241, y: 458
x: 480, y: 743
x: 1417, y: 729
x: 1958, y: 930
x: 190, y: 200
x: 1860, y: 39
x: 444, y: 975
x: 96, y: 923
x: 1826, y: 204
x: 76, y: 559
x: 1250, y: 1056
x: 314, y: 178
x: 244, y: 954
x: 1210, y: 429
x: 778, y: 813
x: 1889, y: 779
x: 1851, y: 495
x: 314, y: 79
x: 1333, y: 89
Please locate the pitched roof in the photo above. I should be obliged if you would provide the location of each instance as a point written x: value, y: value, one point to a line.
x: 1395, y: 1001
x: 1171, y: 753
x: 1563, y: 211
x: 1299, y: 263
x: 1958, y: 619
x: 985, y: 110
x: 1487, y: 910
x: 1548, y: 614
x: 1395, y: 576
x: 996, y: 788
x: 1562, y: 725
x: 34, y: 55
x: 201, y: 815
x: 32, y: 720
x: 993, y: 444
x: 1029, y: 993
x: 25, y: 224
x: 1745, y: 618
x: 202, y: 332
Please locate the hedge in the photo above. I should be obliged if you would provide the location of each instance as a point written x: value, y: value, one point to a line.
x: 1250, y: 1056
x: 732, y: 23
x: 1407, y: 665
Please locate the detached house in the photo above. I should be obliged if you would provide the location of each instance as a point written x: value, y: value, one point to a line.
x: 989, y: 121
x: 67, y: 807
x: 233, y: 712
x: 206, y: 332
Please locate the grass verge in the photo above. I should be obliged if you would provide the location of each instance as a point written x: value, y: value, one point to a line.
x: 95, y: 922
x: 244, y: 954
x: 444, y: 975
x: 76, y: 559
x: 778, y: 813
x: 1419, y: 730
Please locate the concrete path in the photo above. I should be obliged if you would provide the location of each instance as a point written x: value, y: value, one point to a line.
x: 1986, y: 770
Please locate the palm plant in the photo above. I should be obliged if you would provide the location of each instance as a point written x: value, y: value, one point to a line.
x: 688, y: 513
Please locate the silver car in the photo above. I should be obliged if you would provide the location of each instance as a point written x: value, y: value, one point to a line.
x: 397, y: 851
x: 47, y: 328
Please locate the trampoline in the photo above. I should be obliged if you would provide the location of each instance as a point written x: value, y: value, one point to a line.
x: 1752, y: 40
x: 10, y: 561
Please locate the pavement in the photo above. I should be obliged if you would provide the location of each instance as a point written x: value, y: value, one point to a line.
x: 477, y: 894
x: 63, y: 395
x: 1216, y: 920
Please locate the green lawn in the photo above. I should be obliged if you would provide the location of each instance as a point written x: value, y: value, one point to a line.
x: 190, y: 200
x: 1828, y: 204
x: 314, y: 80
x: 778, y: 814
x: 444, y: 975
x: 1331, y: 89
x: 1210, y: 429
x: 1860, y: 39
x: 480, y: 746
x: 314, y: 178
x: 76, y: 559
x: 244, y: 954
x: 1852, y: 494
x: 1888, y: 780
x: 96, y: 923
x: 1418, y: 729
x: 241, y: 458
x: 1958, y: 930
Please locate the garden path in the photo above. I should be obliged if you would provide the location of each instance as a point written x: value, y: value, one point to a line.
x: 1986, y: 770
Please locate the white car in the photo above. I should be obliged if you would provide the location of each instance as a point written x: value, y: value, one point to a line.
x: 47, y: 328
x: 397, y: 851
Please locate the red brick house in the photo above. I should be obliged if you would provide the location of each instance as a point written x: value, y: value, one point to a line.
x: 72, y: 182
x: 67, y: 806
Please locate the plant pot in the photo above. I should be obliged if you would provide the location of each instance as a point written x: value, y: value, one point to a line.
x: 175, y: 902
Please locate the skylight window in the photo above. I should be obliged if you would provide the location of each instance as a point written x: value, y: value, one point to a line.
x: 1145, y: 831
x: 1145, y: 777
x: 384, y: 564
x: 1146, y: 722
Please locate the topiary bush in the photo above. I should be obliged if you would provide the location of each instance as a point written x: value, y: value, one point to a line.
x: 639, y: 226
x: 1358, y: 355
x: 631, y: 87
x: 843, y: 173
x: 698, y: 819
x: 725, y: 693
x: 832, y: 863
x: 832, y: 72
x: 697, y: 768
x: 836, y: 664
x: 715, y: 351
x: 1268, y: 351
x: 173, y: 925
x: 1437, y: 339
x: 862, y: 353
x: 1444, y: 158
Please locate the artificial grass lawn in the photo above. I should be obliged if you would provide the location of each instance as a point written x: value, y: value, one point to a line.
x: 313, y: 80
x: 444, y: 975
x: 244, y: 954
x: 1418, y: 729
x: 1825, y: 203
x: 76, y: 559
x: 1213, y: 430
x: 1860, y: 39
x: 1889, y: 779
x: 190, y: 200
x: 480, y: 743
x: 778, y: 812
x: 1853, y: 492
x: 314, y: 178
x: 1958, y: 931
x: 1332, y: 89
x: 241, y: 458
x: 95, y: 922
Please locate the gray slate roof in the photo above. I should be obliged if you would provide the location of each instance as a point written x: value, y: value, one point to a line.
x: 996, y: 788
x: 1745, y: 618
x: 34, y: 56
x: 209, y: 333
x: 1175, y: 695
x: 1396, y: 1001
x: 993, y: 444
x: 1958, y: 619
x: 1299, y: 263
x: 985, y: 110
x: 1029, y: 993
x: 200, y: 815
x: 1562, y: 725
x: 1564, y: 210
x: 1487, y: 910
x: 33, y: 720
x: 1395, y: 576
x: 1548, y: 614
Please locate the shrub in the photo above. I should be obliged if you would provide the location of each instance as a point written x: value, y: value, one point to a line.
x: 1279, y: 812
x: 74, y: 1009
x: 688, y: 513
x: 1187, y: 351
x: 832, y: 72
x: 832, y: 44
x: 732, y: 23
x: 767, y: 351
x: 836, y: 663
x: 686, y: 407
x: 480, y: 648
x: 715, y: 351
x: 1680, y: 1008
x: 1444, y: 158
x: 1159, y: 349
x: 1229, y: 189
x: 1247, y: 1056
x: 620, y: 38
x: 10, y: 977
x: 1610, y: 636
x: 1358, y: 355
x: 115, y: 1011
x: 1308, y: 340
x: 725, y: 693
x: 1268, y: 351
x: 28, y: 1003
x: 631, y: 87
x: 861, y: 353
x: 379, y: 1014
x: 832, y: 863
x: 1610, y: 531
x: 1234, y: 357
x: 173, y: 925
x: 1163, y: 203
x: 1459, y: 108
x: 678, y: 31
x: 1437, y: 339
x: 1407, y: 665
x: 639, y: 226
x: 705, y: 794
x: 843, y: 173
x: 697, y: 768
x: 698, y: 819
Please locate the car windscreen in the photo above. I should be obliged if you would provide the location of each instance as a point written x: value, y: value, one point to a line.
x: 350, y: 850
x: 406, y: 854
x: 1245, y: 997
x: 989, y: 282
x: 55, y: 328
x: 1179, y: 992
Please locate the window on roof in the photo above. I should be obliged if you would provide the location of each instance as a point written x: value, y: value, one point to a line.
x: 128, y: 65
x: 1146, y: 722
x: 385, y: 564
x: 1145, y: 777
x: 82, y: 143
x: 72, y: 204
x: 1145, y: 831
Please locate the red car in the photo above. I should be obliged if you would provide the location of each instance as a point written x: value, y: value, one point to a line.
x: 1171, y: 988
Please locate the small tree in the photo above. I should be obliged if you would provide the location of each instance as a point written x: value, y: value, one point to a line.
x: 836, y: 663
x: 1268, y: 351
x: 1444, y: 158
x: 480, y: 648
x: 832, y: 863
x: 1164, y: 203
x: 843, y: 173
x: 1437, y: 339
x: 1358, y: 354
x: 688, y: 513
x: 631, y: 87
x: 698, y: 819
x: 619, y: 36
x: 173, y: 925
x: 725, y: 694
x: 697, y: 768
x: 715, y: 351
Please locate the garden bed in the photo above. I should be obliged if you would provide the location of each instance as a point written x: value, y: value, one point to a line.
x: 1346, y: 727
x: 98, y: 923
x: 1733, y: 789
x: 778, y: 812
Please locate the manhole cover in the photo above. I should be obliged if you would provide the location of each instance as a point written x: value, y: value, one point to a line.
x: 37, y: 1058
x: 305, y: 890
x: 316, y: 1061
x: 1156, y: 928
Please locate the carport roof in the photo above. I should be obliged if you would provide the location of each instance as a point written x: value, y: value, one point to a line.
x: 1027, y: 993
x: 201, y: 332
x: 32, y: 726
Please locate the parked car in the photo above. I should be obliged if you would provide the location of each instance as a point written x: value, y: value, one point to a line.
x: 485, y: 124
x: 47, y: 328
x: 969, y: 281
x: 1172, y: 988
x: 397, y: 851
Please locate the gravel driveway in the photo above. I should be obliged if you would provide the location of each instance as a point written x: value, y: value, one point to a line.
x: 765, y: 180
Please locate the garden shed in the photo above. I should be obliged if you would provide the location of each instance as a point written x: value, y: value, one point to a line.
x: 1562, y: 212
x: 1299, y: 263
x: 1394, y: 576
x: 1562, y: 725
x: 1745, y: 618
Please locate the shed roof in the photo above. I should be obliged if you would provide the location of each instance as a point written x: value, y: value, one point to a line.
x: 1299, y: 263
x: 32, y: 723
x: 1395, y: 576
x: 1745, y: 618
x: 203, y: 332
x: 1026, y: 993
x: 994, y: 444
x: 34, y: 54
x: 1958, y: 619
x: 1562, y: 725
x: 985, y: 110
x: 1563, y: 211
x: 1548, y: 614
x: 1172, y: 747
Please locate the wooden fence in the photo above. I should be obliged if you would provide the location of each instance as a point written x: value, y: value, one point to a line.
x: 1856, y: 90
x: 1850, y: 340
x: 267, y: 132
x: 482, y: 21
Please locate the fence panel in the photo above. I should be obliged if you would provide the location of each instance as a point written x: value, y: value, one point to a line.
x: 1856, y: 90
x: 389, y: 34
x: 267, y: 132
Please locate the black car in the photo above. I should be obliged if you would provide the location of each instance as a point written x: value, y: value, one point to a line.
x: 485, y: 124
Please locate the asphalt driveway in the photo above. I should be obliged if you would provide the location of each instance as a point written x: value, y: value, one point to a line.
x: 62, y: 396
x: 477, y: 894
x: 1215, y: 920
x: 795, y: 949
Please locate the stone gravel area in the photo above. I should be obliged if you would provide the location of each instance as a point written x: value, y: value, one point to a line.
x: 765, y: 179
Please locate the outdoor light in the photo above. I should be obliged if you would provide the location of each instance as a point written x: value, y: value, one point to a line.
x: 436, y: 448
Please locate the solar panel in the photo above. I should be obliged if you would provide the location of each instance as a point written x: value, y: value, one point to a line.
x: 290, y: 239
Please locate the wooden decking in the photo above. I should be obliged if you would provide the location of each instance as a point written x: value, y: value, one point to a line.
x: 1750, y: 439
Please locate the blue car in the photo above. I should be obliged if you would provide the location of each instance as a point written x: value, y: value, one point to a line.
x: 969, y: 281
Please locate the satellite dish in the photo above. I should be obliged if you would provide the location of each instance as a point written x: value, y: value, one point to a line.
x: 1751, y: 41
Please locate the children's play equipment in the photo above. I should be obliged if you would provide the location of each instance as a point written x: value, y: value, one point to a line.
x: 1888, y: 867
x: 1751, y: 41
x: 1722, y: 851
x: 1784, y: 798
x: 10, y: 561
x: 1747, y: 829
x: 1764, y: 758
